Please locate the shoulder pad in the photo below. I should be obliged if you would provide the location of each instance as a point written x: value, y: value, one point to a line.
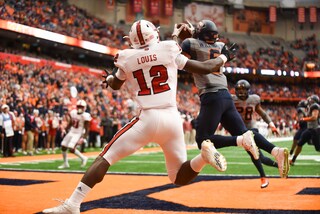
x: 314, y: 106
x: 300, y: 110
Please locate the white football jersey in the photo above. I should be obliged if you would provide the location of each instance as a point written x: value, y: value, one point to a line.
x: 152, y: 71
x: 247, y: 108
x: 78, y: 120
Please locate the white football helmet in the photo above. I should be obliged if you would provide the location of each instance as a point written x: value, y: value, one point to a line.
x: 81, y: 106
x: 143, y: 33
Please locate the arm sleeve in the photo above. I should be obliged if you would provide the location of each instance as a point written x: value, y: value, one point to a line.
x: 181, y: 61
x: 120, y: 74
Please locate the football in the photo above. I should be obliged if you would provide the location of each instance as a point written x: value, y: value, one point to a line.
x: 185, y: 33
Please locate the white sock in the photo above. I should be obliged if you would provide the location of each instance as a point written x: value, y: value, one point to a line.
x: 275, y: 151
x: 197, y: 163
x: 65, y: 157
x: 79, y: 194
x: 239, y: 140
x: 79, y: 154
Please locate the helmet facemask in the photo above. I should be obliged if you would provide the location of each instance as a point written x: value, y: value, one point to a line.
x: 81, y: 106
x: 242, y: 89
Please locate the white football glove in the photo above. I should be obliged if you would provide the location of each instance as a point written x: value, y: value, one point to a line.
x: 176, y: 30
x: 190, y: 27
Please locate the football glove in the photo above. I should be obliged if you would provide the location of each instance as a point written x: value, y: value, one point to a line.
x: 230, y: 52
x: 176, y: 30
x: 190, y: 27
x: 274, y: 129
x: 105, y: 81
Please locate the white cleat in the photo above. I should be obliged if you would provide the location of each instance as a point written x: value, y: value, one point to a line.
x: 84, y: 162
x: 64, y: 166
x: 211, y: 156
x: 249, y: 144
x: 64, y: 208
x: 282, y: 158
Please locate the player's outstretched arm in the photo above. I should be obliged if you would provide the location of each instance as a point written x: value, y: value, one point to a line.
x: 267, y: 119
x: 206, y: 67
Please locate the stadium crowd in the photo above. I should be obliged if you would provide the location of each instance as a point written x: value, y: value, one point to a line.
x: 43, y: 93
x: 39, y: 96
x: 66, y: 19
x: 63, y: 18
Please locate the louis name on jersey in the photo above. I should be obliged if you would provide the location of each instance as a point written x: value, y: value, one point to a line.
x: 147, y: 72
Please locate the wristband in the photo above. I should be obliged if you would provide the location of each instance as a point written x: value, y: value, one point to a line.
x: 223, y: 57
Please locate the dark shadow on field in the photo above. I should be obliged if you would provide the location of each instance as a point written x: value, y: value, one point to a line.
x: 139, y: 200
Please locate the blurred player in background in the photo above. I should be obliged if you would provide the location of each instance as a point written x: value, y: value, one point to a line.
x: 216, y: 102
x: 78, y: 126
x: 301, y: 113
x: 312, y: 131
x: 248, y: 104
x: 150, y: 69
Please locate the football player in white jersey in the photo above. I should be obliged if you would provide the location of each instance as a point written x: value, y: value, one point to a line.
x: 248, y: 104
x: 150, y: 68
x: 78, y: 126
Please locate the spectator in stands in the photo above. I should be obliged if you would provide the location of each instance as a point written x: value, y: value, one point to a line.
x: 106, y: 123
x: 30, y: 127
x: 37, y: 131
x: 187, y: 128
x: 52, y: 126
x: 18, y: 131
x: 7, y: 120
x: 94, y: 130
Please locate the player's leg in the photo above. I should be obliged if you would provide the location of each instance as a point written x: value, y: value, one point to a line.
x: 180, y: 171
x: 209, y: 117
x: 64, y: 150
x: 212, y: 107
x: 267, y: 161
x: 72, y: 145
x: 305, y: 137
x: 233, y: 123
x: 281, y: 155
x: 259, y: 167
x: 316, y: 139
x: 296, y: 138
x: 125, y: 142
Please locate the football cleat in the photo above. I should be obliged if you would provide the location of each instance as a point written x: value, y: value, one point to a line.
x: 264, y: 182
x: 211, y: 156
x: 282, y: 158
x: 291, y: 163
x: 64, y: 208
x: 64, y: 166
x: 84, y: 162
x: 249, y: 144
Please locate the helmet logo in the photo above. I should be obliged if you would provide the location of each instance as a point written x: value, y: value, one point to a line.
x: 139, y: 33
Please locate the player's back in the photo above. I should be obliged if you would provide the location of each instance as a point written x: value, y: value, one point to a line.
x: 313, y: 124
x: 151, y: 73
x: 201, y: 51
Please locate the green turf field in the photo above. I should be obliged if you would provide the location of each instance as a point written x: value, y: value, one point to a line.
x: 239, y: 163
